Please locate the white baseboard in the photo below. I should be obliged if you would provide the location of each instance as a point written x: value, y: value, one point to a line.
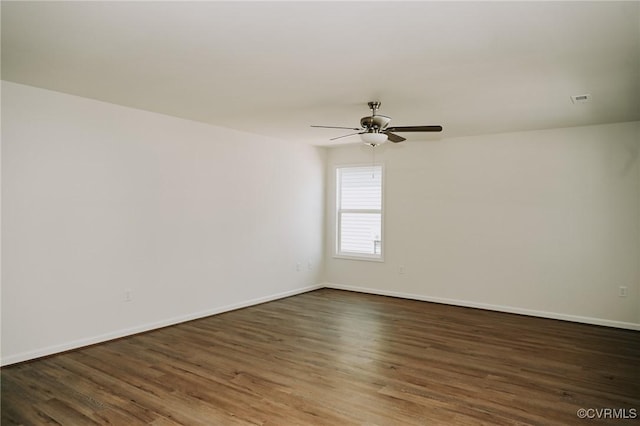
x: 499, y: 308
x: 50, y: 350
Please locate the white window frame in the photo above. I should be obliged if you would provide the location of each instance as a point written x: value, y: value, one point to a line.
x: 351, y: 255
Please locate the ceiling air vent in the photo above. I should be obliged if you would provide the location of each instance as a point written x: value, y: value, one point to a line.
x: 581, y: 99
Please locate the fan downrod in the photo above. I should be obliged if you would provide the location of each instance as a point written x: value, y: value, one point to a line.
x: 374, y: 106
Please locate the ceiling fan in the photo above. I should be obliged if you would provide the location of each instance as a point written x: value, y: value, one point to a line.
x: 375, y: 129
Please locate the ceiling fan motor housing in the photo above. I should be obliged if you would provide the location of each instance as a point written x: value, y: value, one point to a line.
x: 375, y: 122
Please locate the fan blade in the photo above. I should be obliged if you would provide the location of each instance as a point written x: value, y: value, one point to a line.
x: 344, y: 136
x: 394, y: 138
x: 334, y: 127
x: 415, y: 129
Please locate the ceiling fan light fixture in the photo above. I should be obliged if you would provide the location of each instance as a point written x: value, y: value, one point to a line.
x: 373, y: 138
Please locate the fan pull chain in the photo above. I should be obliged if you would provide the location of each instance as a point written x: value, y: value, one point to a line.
x: 373, y: 161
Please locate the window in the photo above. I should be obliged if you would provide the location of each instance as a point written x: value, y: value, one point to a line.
x: 359, y: 212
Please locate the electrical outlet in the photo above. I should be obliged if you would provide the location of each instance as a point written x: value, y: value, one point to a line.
x: 298, y: 266
x: 623, y: 291
x: 401, y: 269
x: 128, y: 295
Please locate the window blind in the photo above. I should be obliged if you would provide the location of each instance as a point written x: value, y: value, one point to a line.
x: 360, y: 211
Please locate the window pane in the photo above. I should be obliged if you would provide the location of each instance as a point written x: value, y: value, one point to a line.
x: 361, y: 233
x: 361, y: 188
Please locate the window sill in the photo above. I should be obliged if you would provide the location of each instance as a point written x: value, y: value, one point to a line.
x: 358, y: 257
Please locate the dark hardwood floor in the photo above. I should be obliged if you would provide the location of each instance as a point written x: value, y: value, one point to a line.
x: 332, y: 357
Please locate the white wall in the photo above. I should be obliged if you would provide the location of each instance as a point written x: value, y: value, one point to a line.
x: 542, y: 222
x: 196, y: 219
x: 98, y: 199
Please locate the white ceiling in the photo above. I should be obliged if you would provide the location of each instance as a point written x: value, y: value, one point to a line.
x: 274, y: 68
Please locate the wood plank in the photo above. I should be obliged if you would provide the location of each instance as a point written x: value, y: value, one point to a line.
x: 336, y: 357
